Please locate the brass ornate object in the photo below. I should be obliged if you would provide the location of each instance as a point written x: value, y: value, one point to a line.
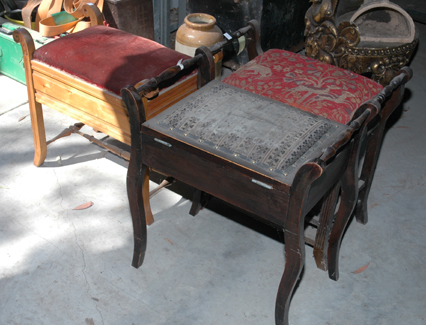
x: 373, y: 37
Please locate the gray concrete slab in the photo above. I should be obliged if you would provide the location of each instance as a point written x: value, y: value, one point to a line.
x: 12, y: 100
x: 65, y: 266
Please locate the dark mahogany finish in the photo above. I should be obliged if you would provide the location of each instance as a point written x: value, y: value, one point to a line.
x: 282, y: 203
x: 383, y: 105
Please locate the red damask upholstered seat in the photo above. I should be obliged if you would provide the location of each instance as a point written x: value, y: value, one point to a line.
x: 118, y: 59
x: 305, y: 83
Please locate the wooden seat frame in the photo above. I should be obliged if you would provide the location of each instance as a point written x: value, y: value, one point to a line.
x: 390, y: 98
x: 334, y: 174
x: 312, y: 180
x: 98, y: 108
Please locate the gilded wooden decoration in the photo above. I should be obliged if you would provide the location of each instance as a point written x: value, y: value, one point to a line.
x: 337, y: 41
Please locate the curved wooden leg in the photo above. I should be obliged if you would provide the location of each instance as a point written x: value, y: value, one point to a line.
x: 39, y: 133
x: 138, y: 182
x: 23, y: 37
x: 295, y: 259
x: 347, y: 204
x: 367, y: 173
x: 137, y: 176
x: 348, y: 199
x: 372, y: 154
x: 294, y: 238
x: 327, y: 214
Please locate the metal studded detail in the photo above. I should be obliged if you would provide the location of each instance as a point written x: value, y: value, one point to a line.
x: 287, y: 133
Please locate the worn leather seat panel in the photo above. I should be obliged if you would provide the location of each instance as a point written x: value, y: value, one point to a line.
x: 256, y: 132
x: 109, y: 58
x: 305, y: 83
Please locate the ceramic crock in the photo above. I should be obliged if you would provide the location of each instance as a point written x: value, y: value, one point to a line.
x: 199, y: 29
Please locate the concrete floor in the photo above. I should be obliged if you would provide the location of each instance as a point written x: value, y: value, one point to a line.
x: 65, y: 266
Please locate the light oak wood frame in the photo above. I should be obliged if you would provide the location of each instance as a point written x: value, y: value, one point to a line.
x: 85, y: 102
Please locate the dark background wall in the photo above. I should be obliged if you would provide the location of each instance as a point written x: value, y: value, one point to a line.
x: 282, y: 21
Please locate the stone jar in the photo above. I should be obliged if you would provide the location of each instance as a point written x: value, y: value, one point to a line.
x: 199, y: 29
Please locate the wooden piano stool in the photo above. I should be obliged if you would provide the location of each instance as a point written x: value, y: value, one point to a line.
x: 272, y: 160
x: 81, y: 75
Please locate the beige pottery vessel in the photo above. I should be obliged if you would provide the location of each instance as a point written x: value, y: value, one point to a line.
x: 199, y: 29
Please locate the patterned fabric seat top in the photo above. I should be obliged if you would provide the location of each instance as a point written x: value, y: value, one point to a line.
x: 305, y: 83
x: 109, y: 58
x: 261, y: 134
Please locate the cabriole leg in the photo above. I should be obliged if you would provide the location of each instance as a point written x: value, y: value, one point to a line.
x: 138, y: 182
x: 327, y: 214
x: 347, y: 204
x: 367, y: 173
x: 295, y: 259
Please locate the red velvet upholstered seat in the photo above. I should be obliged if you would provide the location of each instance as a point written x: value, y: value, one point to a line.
x: 305, y: 83
x: 111, y: 63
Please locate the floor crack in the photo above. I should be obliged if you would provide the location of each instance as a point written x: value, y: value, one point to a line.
x: 79, y: 246
x: 13, y: 108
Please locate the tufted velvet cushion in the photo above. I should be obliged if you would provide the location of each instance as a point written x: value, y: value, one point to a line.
x: 305, y: 83
x: 108, y: 57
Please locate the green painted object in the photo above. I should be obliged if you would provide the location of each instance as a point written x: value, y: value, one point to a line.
x: 62, y: 18
x: 11, y: 59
